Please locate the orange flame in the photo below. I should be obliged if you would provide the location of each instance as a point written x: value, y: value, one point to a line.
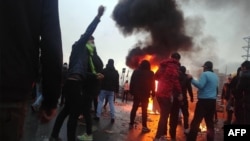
x: 203, y: 127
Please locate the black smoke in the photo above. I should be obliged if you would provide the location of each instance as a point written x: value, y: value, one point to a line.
x: 161, y: 18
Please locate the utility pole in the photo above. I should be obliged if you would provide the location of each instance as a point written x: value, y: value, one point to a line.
x: 247, y: 48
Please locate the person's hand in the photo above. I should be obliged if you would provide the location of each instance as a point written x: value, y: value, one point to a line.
x: 47, y: 115
x: 99, y: 76
x: 101, y: 10
x: 189, y: 76
x: 153, y: 94
x: 180, y: 97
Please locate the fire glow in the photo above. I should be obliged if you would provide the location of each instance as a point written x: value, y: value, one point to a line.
x: 203, y: 127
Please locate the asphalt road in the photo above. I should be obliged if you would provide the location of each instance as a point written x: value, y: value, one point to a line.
x: 119, y: 131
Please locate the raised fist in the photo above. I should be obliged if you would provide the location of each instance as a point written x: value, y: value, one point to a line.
x: 101, y: 10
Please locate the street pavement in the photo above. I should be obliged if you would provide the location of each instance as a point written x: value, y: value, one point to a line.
x: 118, y: 131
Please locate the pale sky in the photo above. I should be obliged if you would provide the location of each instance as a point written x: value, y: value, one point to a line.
x: 216, y: 26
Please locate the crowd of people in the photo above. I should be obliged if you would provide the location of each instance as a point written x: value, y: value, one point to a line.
x: 84, y: 81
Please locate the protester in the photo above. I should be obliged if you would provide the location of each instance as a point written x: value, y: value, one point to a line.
x: 95, y: 66
x: 243, y: 91
x: 183, y: 105
x: 27, y: 32
x: 77, y: 100
x: 228, y: 97
x: 125, y: 91
x: 142, y: 85
x: 109, y: 86
x: 206, y: 105
x: 237, y: 107
x: 169, y: 87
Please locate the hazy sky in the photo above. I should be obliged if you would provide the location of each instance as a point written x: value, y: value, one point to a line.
x: 217, y: 28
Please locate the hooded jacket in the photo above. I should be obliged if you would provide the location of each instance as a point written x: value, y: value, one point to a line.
x: 110, y: 82
x: 142, y: 81
x: 168, y: 78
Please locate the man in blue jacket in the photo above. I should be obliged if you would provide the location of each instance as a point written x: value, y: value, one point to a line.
x: 206, y: 105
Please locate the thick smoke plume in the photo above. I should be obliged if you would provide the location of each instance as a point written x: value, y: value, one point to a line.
x: 161, y: 18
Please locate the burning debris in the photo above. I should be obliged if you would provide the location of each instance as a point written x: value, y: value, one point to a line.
x: 161, y: 19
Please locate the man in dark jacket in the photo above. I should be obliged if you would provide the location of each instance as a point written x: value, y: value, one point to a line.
x: 29, y: 29
x: 243, y: 92
x: 227, y: 96
x: 109, y: 87
x: 76, y: 99
x: 142, y: 84
x: 186, y: 87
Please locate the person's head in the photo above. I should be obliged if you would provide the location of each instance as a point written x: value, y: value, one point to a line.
x: 208, y: 66
x: 145, y: 65
x: 110, y: 63
x: 91, y: 40
x: 183, y: 69
x: 229, y: 78
x: 245, y: 66
x: 176, y: 56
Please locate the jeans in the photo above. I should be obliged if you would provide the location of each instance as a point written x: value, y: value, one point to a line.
x: 110, y: 97
x: 12, y: 116
x: 174, y: 117
x: 165, y: 109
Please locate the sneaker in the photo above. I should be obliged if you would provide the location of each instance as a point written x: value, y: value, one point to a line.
x: 145, y: 130
x: 163, y: 138
x: 112, y: 120
x: 85, y: 137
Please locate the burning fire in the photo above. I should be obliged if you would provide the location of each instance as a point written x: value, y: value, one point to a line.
x: 150, y: 101
x: 203, y: 127
x: 154, y: 68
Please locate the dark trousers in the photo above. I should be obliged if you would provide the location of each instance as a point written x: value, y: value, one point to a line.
x: 93, y: 90
x: 165, y: 106
x: 125, y: 96
x: 75, y: 104
x: 174, y: 117
x: 239, y: 112
x: 185, y: 113
x: 106, y: 101
x: 12, y: 115
x: 205, y: 108
x: 144, y: 105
